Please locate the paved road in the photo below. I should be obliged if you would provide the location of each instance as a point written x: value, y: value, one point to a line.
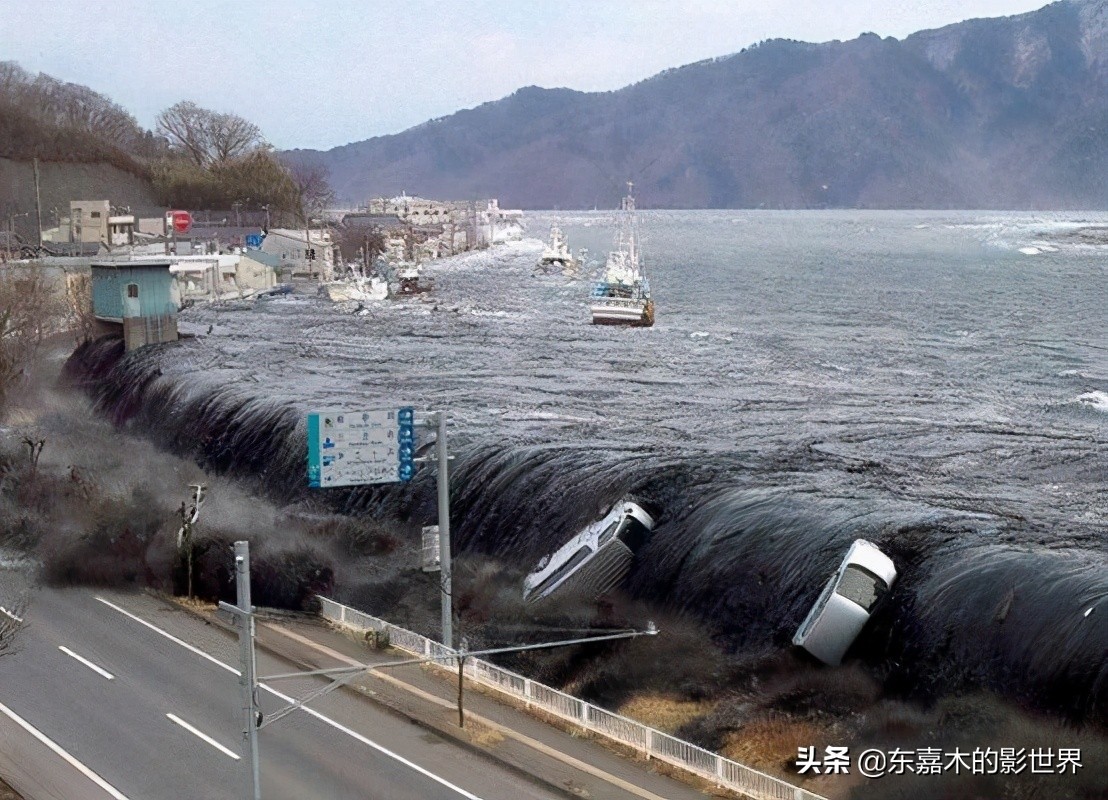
x: 144, y: 700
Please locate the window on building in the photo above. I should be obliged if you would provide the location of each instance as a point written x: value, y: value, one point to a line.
x: 95, y: 215
x: 132, y: 290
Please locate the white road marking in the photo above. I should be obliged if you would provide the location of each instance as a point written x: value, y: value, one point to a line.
x: 169, y: 636
x: 87, y: 663
x: 204, y: 736
x: 88, y: 773
x: 327, y: 720
x: 20, y: 619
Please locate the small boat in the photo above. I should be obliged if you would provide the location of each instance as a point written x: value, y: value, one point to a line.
x: 622, y: 295
x: 596, y: 560
x: 557, y: 255
x: 846, y: 603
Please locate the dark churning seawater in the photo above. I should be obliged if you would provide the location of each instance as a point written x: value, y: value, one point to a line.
x: 936, y: 382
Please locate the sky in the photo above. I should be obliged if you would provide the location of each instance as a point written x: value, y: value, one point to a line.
x: 323, y: 74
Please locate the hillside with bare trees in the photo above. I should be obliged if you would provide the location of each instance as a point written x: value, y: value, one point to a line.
x: 87, y: 145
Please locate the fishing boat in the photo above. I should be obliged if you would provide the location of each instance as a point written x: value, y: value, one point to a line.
x: 557, y: 254
x: 596, y: 560
x: 622, y: 295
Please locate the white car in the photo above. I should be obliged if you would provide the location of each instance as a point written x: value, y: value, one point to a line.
x: 842, y: 610
x: 596, y: 560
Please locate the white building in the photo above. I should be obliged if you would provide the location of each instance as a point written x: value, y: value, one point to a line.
x: 215, y: 277
x: 312, y: 255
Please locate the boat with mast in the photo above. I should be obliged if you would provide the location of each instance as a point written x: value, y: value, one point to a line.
x: 557, y: 254
x: 622, y: 295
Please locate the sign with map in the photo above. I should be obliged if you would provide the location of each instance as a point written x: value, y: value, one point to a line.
x: 355, y: 448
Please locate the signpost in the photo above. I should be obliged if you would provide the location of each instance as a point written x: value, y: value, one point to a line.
x: 354, y: 448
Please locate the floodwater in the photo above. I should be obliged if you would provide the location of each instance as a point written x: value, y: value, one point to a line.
x: 935, y: 382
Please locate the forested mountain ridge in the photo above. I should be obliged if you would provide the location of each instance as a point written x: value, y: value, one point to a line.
x: 1000, y: 113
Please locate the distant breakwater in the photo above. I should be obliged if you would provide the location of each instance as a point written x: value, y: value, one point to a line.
x: 981, y: 601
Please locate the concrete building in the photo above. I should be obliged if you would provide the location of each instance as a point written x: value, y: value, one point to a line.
x: 218, y: 277
x: 88, y: 220
x: 121, y: 230
x: 294, y: 249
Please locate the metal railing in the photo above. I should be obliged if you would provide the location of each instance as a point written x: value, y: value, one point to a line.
x: 648, y: 741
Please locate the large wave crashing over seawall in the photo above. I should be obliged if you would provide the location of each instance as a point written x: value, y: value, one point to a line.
x: 811, y: 379
x: 978, y: 602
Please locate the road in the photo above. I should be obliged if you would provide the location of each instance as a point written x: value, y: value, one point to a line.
x: 119, y: 696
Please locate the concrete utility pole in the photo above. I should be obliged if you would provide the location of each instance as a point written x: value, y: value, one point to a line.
x: 438, y: 420
x: 444, y: 533
x: 248, y: 680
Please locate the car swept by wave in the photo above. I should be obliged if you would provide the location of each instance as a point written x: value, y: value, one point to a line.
x: 848, y: 599
x: 596, y: 560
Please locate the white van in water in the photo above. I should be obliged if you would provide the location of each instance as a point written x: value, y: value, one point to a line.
x: 597, y: 559
x: 848, y: 599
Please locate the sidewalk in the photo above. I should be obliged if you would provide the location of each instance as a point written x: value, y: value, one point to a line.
x: 570, y: 761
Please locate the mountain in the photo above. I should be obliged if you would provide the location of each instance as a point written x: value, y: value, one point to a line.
x: 990, y: 113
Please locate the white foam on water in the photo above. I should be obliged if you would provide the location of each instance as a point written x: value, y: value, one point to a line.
x: 1097, y: 400
x: 1030, y: 251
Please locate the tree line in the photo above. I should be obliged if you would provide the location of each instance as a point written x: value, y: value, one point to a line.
x: 194, y: 158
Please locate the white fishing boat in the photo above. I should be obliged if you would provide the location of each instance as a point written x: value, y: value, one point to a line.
x: 557, y: 255
x: 596, y: 560
x: 622, y: 295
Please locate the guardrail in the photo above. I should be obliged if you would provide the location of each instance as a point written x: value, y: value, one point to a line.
x: 648, y: 741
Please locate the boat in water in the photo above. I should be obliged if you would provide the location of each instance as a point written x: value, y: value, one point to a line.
x: 595, y: 561
x: 622, y: 295
x: 557, y: 255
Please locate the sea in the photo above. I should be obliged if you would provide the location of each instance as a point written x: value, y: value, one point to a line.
x: 934, y: 382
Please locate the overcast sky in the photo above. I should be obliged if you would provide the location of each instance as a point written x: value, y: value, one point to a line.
x: 322, y: 74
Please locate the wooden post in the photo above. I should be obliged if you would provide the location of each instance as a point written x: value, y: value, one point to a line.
x: 38, y: 204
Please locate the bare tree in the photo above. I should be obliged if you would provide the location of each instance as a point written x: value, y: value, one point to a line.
x: 78, y: 300
x: 184, y: 535
x: 208, y: 137
x: 312, y: 189
x: 27, y: 314
x: 70, y: 105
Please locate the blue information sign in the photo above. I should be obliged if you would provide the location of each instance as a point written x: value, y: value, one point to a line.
x: 353, y: 448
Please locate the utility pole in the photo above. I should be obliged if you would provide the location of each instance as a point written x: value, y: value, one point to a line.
x: 38, y: 203
x: 444, y: 533
x: 307, y: 240
x: 248, y: 680
x: 438, y: 419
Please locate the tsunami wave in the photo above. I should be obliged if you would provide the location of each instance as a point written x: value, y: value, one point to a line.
x: 983, y: 598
